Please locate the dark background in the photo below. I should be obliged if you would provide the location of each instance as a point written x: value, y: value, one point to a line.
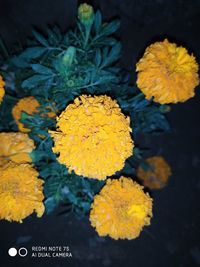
x: 172, y: 240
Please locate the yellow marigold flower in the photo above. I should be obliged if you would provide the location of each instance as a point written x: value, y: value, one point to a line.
x: 167, y: 73
x: 2, y: 91
x: 20, y: 192
x: 93, y: 137
x: 16, y: 147
x: 29, y: 105
x: 121, y: 209
x: 154, y: 173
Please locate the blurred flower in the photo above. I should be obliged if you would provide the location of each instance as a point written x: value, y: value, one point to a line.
x: 167, y: 73
x: 2, y: 91
x: 154, y: 173
x: 121, y: 209
x: 16, y: 147
x: 29, y: 105
x: 20, y: 192
x: 93, y: 137
x: 86, y: 14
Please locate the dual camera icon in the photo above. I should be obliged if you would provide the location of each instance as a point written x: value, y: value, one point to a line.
x: 21, y: 252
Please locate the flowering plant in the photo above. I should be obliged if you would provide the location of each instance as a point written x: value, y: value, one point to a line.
x: 70, y: 95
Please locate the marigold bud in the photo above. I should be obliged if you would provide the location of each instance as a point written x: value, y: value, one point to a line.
x: 86, y: 14
x: 69, y: 56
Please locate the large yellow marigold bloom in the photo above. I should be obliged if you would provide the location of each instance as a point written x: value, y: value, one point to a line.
x: 2, y: 91
x: 93, y: 137
x: 121, y: 209
x: 167, y: 73
x: 20, y: 192
x: 154, y: 173
x: 16, y: 147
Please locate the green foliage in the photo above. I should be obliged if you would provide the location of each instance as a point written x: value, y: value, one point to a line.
x: 70, y: 64
x: 57, y: 67
x: 61, y: 187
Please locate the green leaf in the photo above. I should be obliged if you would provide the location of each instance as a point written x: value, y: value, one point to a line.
x: 19, y: 62
x: 110, y: 28
x: 112, y: 56
x: 137, y: 153
x: 33, y: 52
x: 53, y: 38
x: 98, y: 57
x: 72, y: 198
x: 33, y: 80
x: 108, y: 41
x: 40, y: 38
x: 97, y: 21
x: 42, y: 69
x: 50, y: 204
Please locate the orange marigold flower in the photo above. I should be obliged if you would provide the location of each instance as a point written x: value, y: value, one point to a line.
x: 93, y: 137
x: 29, y: 105
x: 121, y: 209
x: 16, y: 147
x: 167, y: 73
x: 20, y: 192
x: 2, y: 91
x: 154, y: 173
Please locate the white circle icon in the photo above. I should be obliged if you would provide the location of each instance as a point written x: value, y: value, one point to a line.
x: 23, y: 252
x: 12, y: 252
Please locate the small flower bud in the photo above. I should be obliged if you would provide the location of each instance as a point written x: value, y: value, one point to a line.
x: 69, y: 56
x: 86, y: 14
